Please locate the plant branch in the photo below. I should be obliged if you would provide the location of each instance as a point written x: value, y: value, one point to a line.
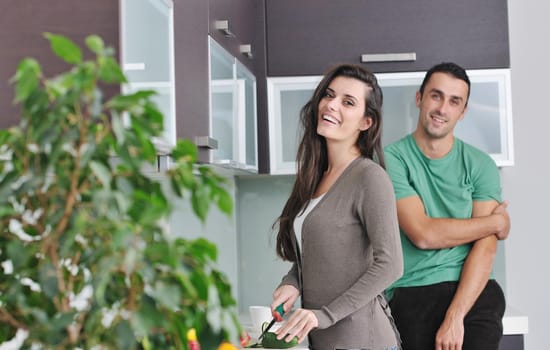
x: 6, y: 317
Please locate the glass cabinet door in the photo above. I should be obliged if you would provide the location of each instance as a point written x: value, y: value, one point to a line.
x: 487, y: 124
x: 286, y: 97
x: 232, y: 111
x: 224, y: 96
x: 248, y: 143
x: 147, y: 51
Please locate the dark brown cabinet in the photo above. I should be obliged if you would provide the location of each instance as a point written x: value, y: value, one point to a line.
x: 511, y: 342
x: 305, y: 37
x: 22, y: 24
x: 233, y: 26
x: 232, y: 23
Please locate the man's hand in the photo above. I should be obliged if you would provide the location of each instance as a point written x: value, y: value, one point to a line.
x: 450, y: 334
x: 504, y: 230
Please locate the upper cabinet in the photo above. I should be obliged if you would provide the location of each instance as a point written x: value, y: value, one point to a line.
x: 306, y: 37
x: 147, y: 57
x: 232, y: 136
x: 487, y: 124
x: 232, y: 25
x: 22, y: 26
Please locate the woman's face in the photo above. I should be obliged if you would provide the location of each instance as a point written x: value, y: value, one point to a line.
x: 341, y: 111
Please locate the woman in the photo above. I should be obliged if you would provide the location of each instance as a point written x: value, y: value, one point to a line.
x: 339, y: 225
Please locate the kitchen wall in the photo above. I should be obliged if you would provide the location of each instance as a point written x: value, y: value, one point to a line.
x: 219, y: 228
x: 246, y: 242
x: 522, y: 259
x: 526, y: 184
x: 260, y: 200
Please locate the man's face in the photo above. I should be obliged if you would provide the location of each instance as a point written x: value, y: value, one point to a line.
x: 442, y: 105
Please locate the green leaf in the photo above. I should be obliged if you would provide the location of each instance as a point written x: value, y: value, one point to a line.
x: 200, y: 202
x: 118, y: 128
x: 27, y: 77
x: 109, y: 71
x: 130, y: 101
x: 147, y: 317
x: 95, y: 44
x: 64, y: 48
x: 203, y: 250
x: 185, y: 149
x: 167, y: 295
x: 102, y: 172
x: 225, y: 202
x: 125, y: 338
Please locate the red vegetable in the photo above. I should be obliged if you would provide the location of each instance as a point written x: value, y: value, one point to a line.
x: 244, y: 338
x: 277, y: 316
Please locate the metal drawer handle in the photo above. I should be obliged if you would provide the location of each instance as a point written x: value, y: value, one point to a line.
x: 206, y: 142
x: 246, y: 50
x: 223, y: 26
x: 389, y: 57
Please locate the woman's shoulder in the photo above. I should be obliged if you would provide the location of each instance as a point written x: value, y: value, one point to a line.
x: 367, y: 164
x: 367, y: 170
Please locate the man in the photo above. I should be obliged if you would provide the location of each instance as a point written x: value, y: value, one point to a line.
x: 448, y: 196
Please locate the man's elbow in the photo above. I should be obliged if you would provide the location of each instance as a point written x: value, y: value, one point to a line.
x: 422, y: 242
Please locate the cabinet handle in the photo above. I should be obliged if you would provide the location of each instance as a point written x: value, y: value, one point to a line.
x: 134, y: 66
x: 223, y: 26
x: 388, y: 57
x: 206, y: 142
x: 246, y: 50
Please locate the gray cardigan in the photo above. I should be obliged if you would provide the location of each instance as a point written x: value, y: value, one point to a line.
x: 351, y: 251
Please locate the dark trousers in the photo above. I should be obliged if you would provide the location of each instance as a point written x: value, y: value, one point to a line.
x: 419, y: 311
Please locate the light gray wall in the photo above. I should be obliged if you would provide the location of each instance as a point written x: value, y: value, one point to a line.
x: 219, y: 228
x: 527, y: 185
x: 260, y: 200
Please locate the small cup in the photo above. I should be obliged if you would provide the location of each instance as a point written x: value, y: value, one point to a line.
x: 259, y: 315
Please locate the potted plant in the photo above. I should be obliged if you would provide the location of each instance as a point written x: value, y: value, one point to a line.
x: 85, y: 259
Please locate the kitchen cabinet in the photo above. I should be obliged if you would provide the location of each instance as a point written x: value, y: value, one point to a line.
x: 306, y: 37
x: 486, y: 125
x: 147, y: 57
x: 233, y: 129
x: 215, y: 83
x: 22, y: 26
x: 511, y: 342
x: 232, y: 25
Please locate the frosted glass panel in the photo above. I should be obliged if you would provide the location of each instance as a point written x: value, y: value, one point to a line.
x: 221, y: 63
x: 146, y: 40
x: 399, y: 112
x: 249, y: 127
x: 487, y: 123
x: 480, y: 125
x: 232, y: 110
x: 222, y: 101
x: 291, y: 104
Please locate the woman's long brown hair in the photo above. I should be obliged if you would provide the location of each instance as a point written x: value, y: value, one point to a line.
x: 312, y: 157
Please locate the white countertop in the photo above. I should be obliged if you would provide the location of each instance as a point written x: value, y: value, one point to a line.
x: 514, y: 322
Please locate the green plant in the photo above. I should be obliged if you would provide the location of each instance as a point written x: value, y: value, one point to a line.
x: 85, y: 259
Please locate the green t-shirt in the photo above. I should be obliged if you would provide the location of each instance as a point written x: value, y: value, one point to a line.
x: 448, y: 187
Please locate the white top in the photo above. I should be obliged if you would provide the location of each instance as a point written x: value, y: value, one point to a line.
x: 299, y: 221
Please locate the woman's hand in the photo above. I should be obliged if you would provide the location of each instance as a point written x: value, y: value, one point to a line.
x: 286, y: 295
x: 299, y: 324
